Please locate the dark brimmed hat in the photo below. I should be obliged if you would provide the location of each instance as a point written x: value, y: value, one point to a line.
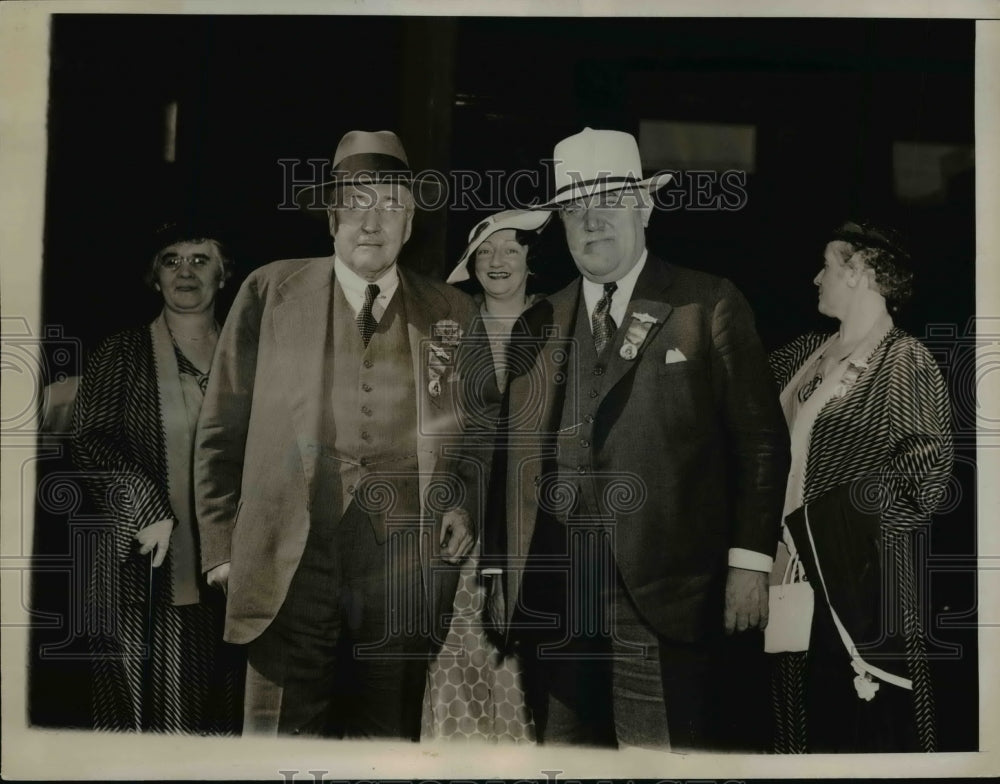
x: 368, y: 158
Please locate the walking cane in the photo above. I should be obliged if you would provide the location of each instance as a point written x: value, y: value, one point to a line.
x: 146, y: 692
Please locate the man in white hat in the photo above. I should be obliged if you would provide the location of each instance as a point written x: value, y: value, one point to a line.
x: 328, y: 407
x: 646, y: 456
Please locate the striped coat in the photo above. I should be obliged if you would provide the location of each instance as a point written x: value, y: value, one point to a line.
x: 190, y: 683
x: 893, y: 431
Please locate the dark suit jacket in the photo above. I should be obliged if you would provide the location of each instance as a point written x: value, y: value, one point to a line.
x: 706, y: 436
x: 262, y: 471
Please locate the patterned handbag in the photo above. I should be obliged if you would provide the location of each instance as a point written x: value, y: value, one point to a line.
x: 790, y: 611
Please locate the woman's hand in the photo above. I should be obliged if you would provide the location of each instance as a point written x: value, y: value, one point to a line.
x: 155, y: 538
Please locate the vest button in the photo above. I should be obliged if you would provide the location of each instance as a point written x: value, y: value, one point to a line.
x: 366, y: 435
x: 369, y: 364
x: 350, y: 489
x: 581, y: 469
x: 366, y: 410
x: 366, y: 387
x: 593, y: 393
x: 589, y: 419
x: 584, y: 443
x: 599, y: 371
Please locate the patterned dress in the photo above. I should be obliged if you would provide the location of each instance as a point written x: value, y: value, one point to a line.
x: 475, y: 690
x: 191, y: 681
x: 892, y: 428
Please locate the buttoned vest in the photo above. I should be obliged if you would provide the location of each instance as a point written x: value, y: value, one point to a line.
x: 584, y: 393
x: 374, y: 414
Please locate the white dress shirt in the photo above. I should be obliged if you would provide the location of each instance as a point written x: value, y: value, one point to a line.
x: 354, y: 287
x: 592, y: 293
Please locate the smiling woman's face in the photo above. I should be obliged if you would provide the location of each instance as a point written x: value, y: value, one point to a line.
x: 502, y: 265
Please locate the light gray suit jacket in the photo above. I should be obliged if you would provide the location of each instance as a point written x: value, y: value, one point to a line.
x: 261, y: 471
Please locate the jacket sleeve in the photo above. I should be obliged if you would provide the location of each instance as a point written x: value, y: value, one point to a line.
x: 913, y: 481
x: 122, y: 487
x: 221, y: 436
x: 758, y: 437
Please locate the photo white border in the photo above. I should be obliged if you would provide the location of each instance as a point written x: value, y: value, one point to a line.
x: 35, y: 754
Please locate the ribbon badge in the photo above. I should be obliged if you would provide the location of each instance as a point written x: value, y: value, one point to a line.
x: 441, y: 354
x: 635, y: 335
x: 855, y: 368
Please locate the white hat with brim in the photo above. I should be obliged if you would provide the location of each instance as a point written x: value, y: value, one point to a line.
x: 525, y: 220
x: 368, y: 158
x: 592, y: 162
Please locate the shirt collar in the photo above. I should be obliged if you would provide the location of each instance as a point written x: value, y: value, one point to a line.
x: 592, y: 291
x: 354, y: 285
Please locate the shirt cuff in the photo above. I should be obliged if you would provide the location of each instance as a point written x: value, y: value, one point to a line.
x: 750, y: 559
x: 493, y: 570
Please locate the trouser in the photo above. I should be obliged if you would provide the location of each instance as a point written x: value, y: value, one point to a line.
x: 346, y: 655
x: 597, y: 673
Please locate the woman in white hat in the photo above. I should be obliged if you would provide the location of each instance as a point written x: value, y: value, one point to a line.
x: 475, y: 690
x: 498, y: 260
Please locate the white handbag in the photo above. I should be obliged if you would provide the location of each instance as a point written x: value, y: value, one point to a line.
x: 790, y: 611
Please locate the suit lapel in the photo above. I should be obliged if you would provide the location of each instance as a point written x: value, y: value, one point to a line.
x: 648, y: 297
x: 301, y: 324
x: 423, y: 306
x: 538, y: 359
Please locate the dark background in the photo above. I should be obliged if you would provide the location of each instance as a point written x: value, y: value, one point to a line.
x: 827, y: 97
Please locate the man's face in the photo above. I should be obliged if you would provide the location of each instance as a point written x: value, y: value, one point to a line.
x: 369, y: 225
x: 606, y: 233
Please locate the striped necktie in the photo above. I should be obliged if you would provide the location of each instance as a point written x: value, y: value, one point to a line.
x: 601, y: 322
x: 366, y: 321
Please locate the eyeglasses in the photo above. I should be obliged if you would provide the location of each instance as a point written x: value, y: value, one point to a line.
x: 173, y: 261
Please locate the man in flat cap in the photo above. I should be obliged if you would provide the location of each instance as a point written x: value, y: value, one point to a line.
x: 645, y: 463
x: 324, y: 422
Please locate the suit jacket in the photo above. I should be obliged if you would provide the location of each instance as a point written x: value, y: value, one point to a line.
x: 705, y: 436
x: 262, y: 469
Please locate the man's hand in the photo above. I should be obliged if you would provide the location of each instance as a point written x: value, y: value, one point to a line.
x: 155, y: 537
x: 218, y: 577
x: 746, y: 600
x: 457, y: 536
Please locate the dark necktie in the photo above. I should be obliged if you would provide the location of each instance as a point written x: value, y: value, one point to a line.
x: 366, y: 321
x: 601, y: 322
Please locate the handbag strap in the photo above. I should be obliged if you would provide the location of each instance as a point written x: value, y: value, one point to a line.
x: 852, y: 649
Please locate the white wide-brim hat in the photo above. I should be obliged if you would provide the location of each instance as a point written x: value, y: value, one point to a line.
x: 525, y: 220
x: 592, y: 162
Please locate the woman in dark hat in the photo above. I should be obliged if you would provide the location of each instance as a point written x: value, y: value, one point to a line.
x: 134, y: 423
x: 872, y: 452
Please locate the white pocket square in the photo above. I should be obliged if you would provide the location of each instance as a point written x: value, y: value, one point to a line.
x: 674, y: 355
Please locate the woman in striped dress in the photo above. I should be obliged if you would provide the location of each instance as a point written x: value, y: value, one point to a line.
x: 134, y: 422
x: 872, y: 452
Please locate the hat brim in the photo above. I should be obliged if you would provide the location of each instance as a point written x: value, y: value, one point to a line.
x: 584, y: 189
x: 316, y: 199
x: 528, y: 221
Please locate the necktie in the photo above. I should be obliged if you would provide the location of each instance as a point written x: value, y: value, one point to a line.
x: 366, y: 321
x: 601, y: 322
